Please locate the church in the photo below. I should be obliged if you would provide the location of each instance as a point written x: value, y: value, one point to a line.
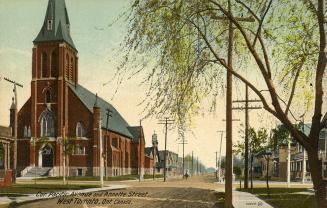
x: 62, y: 122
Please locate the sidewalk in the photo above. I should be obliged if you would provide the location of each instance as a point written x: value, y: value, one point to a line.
x: 247, y: 200
x: 33, y: 197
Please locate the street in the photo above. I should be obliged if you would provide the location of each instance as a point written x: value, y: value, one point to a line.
x: 197, y: 192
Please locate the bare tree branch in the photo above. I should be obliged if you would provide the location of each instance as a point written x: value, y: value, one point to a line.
x: 294, y: 86
x: 260, y: 23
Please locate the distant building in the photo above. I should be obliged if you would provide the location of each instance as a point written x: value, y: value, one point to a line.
x: 152, y: 156
x: 172, y: 163
x: 6, y: 156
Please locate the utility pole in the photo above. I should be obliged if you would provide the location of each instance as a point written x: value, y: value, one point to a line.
x: 246, y: 108
x: 192, y: 164
x: 100, y: 154
x: 140, y: 155
x: 288, y: 163
x: 166, y: 121
x: 15, y: 123
x: 106, y: 141
x: 229, y: 140
x: 154, y: 151
x: 219, y: 161
x: 216, y: 165
x: 197, y: 165
x: 183, y: 159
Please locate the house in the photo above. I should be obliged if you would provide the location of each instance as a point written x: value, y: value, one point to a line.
x: 299, y: 165
x: 172, y: 163
x: 60, y: 109
x: 6, y: 156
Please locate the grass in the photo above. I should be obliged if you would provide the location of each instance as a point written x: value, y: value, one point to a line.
x: 284, y: 197
x: 220, y: 200
x: 148, y: 176
x: 21, y: 189
x: 94, y: 178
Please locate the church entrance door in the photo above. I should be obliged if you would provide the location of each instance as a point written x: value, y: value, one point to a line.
x: 47, y: 157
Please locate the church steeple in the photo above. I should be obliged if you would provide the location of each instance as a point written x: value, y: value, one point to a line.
x: 56, y: 25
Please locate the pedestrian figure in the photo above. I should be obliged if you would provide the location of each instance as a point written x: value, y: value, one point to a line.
x: 186, y: 175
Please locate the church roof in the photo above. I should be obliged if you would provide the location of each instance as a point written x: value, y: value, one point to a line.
x: 136, y: 132
x: 59, y: 27
x: 116, y: 123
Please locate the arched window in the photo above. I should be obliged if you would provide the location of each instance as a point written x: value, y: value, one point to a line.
x: 67, y: 67
x: 47, y: 98
x: 79, y: 149
x: 71, y: 69
x: 79, y: 130
x: 25, y: 131
x: 29, y: 131
x: 44, y: 64
x: 47, y: 124
x: 54, y: 64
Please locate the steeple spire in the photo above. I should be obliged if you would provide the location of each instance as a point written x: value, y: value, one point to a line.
x: 56, y: 25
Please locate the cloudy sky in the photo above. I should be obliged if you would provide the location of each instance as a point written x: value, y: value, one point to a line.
x: 20, y: 22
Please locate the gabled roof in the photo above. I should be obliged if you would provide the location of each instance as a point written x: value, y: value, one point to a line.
x: 148, y: 151
x: 324, y: 120
x: 136, y: 132
x: 306, y: 128
x: 116, y: 122
x: 57, y: 13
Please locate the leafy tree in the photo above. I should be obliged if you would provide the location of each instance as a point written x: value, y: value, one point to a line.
x: 258, y: 142
x: 183, y: 51
x: 68, y: 149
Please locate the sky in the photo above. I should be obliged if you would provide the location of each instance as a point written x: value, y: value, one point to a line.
x: 97, y: 43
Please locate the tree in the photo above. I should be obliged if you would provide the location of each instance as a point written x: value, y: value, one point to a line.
x: 68, y: 148
x: 183, y: 47
x: 258, y: 142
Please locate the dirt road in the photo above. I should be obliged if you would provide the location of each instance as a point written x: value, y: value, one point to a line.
x: 196, y: 192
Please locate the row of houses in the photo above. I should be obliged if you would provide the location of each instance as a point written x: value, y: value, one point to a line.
x: 299, y: 167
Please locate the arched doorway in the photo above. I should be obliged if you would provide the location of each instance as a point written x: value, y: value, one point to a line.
x: 46, y: 156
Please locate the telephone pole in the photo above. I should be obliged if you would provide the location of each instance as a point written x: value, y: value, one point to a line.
x: 140, y: 155
x: 192, y: 163
x: 246, y: 108
x: 229, y: 139
x: 183, y: 143
x: 107, y: 137
x: 197, y: 165
x: 216, y: 165
x: 220, y: 145
x: 166, y: 122
x: 15, y: 123
x: 100, y: 154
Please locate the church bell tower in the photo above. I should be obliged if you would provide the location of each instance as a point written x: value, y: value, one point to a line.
x: 54, y: 67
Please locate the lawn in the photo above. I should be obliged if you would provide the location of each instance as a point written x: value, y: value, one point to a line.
x: 20, y: 189
x: 94, y: 178
x: 285, y: 197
